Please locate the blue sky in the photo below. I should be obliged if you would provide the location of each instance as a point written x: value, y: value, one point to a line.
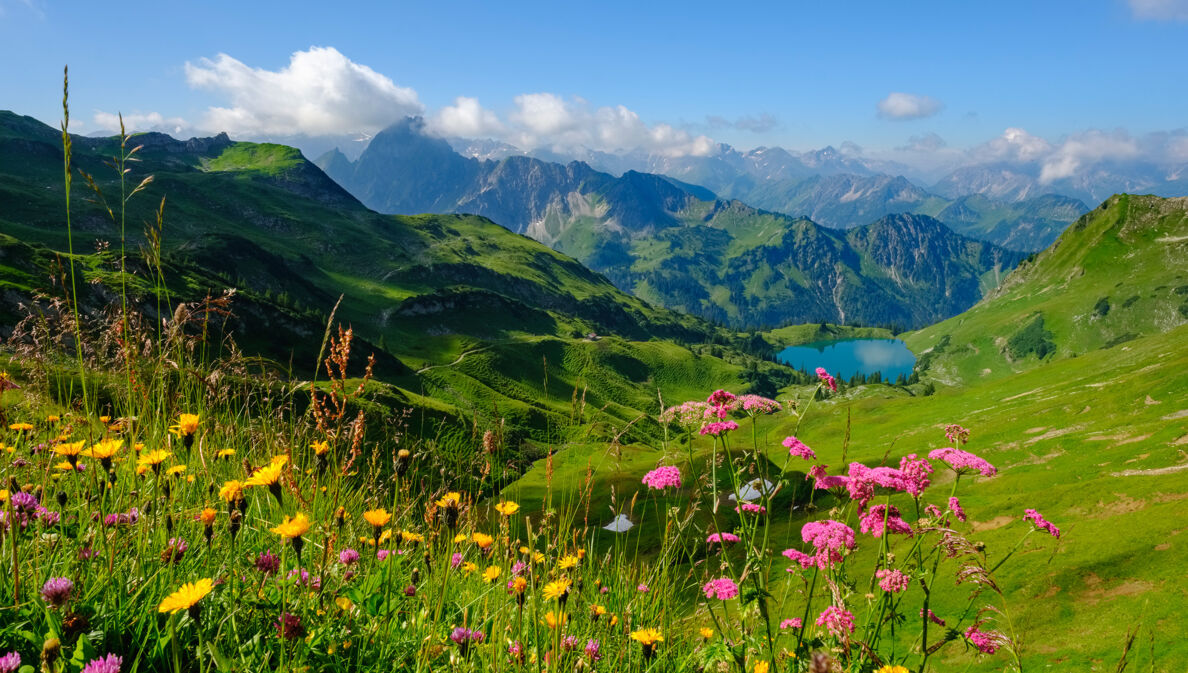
x: 796, y: 74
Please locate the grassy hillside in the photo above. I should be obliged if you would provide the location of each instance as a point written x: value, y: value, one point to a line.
x: 1118, y: 273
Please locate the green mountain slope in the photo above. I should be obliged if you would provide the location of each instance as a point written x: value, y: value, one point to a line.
x: 669, y: 245
x: 1118, y: 273
x: 437, y: 295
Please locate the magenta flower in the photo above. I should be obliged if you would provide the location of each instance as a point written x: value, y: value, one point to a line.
x: 642, y: 588
x: 56, y: 591
x: 289, y: 627
x: 838, y: 620
x: 863, y: 481
x: 824, y: 481
x: 717, y: 428
x: 723, y: 589
x: 987, y: 642
x: 955, y: 508
x: 464, y: 637
x: 686, y: 415
x: 268, y: 563
x: 883, y: 518
x: 827, y: 379
x: 751, y: 508
x: 721, y: 398
x: 797, y: 556
x: 798, y: 448
x: 721, y: 538
x: 963, y: 461
x: 892, y: 581
x: 348, y: 557
x: 592, y: 650
x: 754, y: 404
x: 663, y: 477
x: 1041, y: 523
x: 932, y: 617
x: 831, y: 540
x: 933, y: 511
x: 956, y: 434
x: 383, y: 554
x: 916, y: 473
x: 455, y: 560
x: 10, y: 663
x: 109, y: 664
x: 793, y: 623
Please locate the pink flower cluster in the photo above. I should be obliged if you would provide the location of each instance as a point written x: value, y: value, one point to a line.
x: 663, y: 477
x: 751, y: 508
x: 755, y: 404
x: 892, y: 581
x: 883, y: 519
x: 1041, y: 523
x: 963, y: 461
x: 916, y: 471
x: 723, y: 589
x: 718, y: 427
x: 863, y: 481
x: 955, y: 508
x: 792, y: 623
x: 824, y: 481
x: 830, y: 538
x: 987, y: 642
x: 932, y: 617
x: 720, y: 403
x: 686, y: 415
x: 798, y: 448
x: 956, y: 434
x: 721, y: 537
x: 837, y: 620
x: 827, y: 379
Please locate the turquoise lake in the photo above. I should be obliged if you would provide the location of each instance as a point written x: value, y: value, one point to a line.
x: 846, y: 357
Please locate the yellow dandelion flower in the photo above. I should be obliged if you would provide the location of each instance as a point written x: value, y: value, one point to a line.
x: 469, y: 567
x: 461, y: 537
x: 411, y: 537
x: 451, y: 500
x: 175, y: 470
x: 556, y: 589
x: 507, y: 508
x: 207, y: 517
x: 647, y: 637
x: 153, y: 458
x: 320, y: 448
x: 65, y: 466
x: 554, y: 619
x: 764, y: 667
x: 265, y: 476
x: 597, y: 611
x: 279, y: 461
x: 104, y: 450
x: 187, y: 596
x: 225, y: 454
x: 69, y: 449
x: 524, y: 550
x: 292, y: 527
x: 141, y: 470
x: 491, y: 574
x: 344, y: 603
x: 567, y: 562
x: 52, y: 419
x: 3, y: 495
x: 538, y: 557
x: 706, y: 632
x: 187, y: 424
x: 378, y: 518
x: 231, y: 491
x: 105, y: 419
x: 20, y: 427
x: 893, y: 669
x: 518, y: 585
x: 482, y: 540
x: 614, y: 620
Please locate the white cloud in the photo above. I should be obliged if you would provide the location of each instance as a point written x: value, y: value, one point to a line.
x: 1085, y: 149
x: 1160, y: 10
x: 1015, y: 144
x: 903, y: 106
x: 466, y: 118
x: 320, y: 92
x: 141, y: 121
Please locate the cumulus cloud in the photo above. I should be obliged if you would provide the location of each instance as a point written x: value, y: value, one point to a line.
x: 1088, y: 148
x: 140, y: 122
x: 903, y: 106
x: 466, y: 118
x: 547, y: 120
x: 320, y: 92
x: 1160, y: 10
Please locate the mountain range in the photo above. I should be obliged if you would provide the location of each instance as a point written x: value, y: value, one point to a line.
x: 679, y: 245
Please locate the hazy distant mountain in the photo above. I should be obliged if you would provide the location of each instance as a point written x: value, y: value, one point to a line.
x: 677, y: 245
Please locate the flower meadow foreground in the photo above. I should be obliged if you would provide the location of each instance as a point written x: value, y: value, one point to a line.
x: 183, y: 543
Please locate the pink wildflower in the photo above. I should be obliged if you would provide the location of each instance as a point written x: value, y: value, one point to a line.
x: 721, y: 398
x: 1041, y: 523
x: 987, y: 642
x: 932, y: 617
x: 827, y: 379
x: 793, y: 623
x: 884, y: 518
x: 663, y: 477
x: 956, y: 434
x: 893, y: 581
x: 800, y: 557
x: 723, y: 589
x: 456, y: 560
x: 963, y: 461
x: 837, y: 620
x: 755, y: 404
x: 642, y: 588
x: 823, y: 481
x: 933, y: 511
x: 751, y: 508
x: 721, y: 538
x: 916, y: 472
x: 798, y: 448
x: 863, y: 481
x: 955, y: 508
x: 718, y: 427
x: 686, y: 415
x: 829, y: 538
